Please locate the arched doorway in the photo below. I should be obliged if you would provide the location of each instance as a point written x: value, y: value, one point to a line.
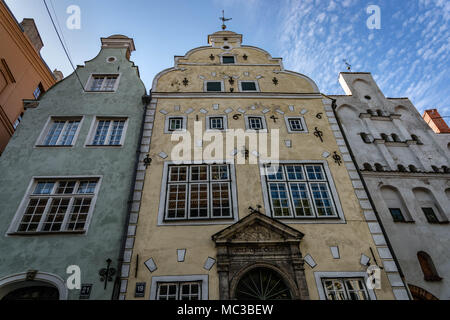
x: 36, y: 291
x: 262, y: 284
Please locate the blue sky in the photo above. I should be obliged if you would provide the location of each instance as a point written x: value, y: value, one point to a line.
x: 408, y: 56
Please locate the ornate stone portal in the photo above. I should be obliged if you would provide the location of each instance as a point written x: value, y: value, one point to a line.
x: 258, y: 241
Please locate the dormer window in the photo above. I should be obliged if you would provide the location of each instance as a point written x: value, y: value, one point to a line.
x: 103, y: 82
x: 228, y: 59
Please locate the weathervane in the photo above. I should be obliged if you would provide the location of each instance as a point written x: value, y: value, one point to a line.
x: 349, y: 67
x: 223, y: 20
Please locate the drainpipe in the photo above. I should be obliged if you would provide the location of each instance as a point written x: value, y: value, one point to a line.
x: 116, y: 291
x: 388, y: 242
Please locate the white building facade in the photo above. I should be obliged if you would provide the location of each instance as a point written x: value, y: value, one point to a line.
x: 405, y: 167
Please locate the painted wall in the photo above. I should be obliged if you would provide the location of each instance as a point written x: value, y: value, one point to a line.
x: 22, y: 161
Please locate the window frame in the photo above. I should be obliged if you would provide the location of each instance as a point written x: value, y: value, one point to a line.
x: 401, y: 214
x: 430, y: 207
x: 254, y: 81
x: 205, y: 85
x: 167, y: 124
x: 337, y: 218
x: 202, y: 279
x: 13, y: 229
x: 346, y: 289
x: 210, y: 220
x: 345, y: 275
x: 224, y: 122
x: 92, y: 132
x: 288, y: 119
x: 263, y: 122
x: 46, y: 129
x: 227, y: 56
x: 90, y: 82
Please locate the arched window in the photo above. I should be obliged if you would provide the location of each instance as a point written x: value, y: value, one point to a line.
x: 412, y: 168
x: 367, y: 167
x: 401, y: 168
x: 262, y: 284
x: 385, y: 137
x: 378, y: 167
x: 379, y: 113
x: 365, y: 137
x: 435, y: 169
x: 416, y: 138
x: 395, y: 137
x: 429, y: 270
x: 446, y: 169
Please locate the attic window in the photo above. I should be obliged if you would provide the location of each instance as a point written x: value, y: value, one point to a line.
x: 227, y: 59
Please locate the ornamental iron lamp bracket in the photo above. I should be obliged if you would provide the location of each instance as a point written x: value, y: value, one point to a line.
x: 337, y: 158
x: 106, y: 274
x: 318, y: 134
x: 147, y: 161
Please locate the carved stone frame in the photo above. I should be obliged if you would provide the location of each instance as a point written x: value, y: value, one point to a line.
x: 260, y: 241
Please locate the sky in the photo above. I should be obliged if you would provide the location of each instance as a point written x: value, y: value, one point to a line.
x: 408, y: 54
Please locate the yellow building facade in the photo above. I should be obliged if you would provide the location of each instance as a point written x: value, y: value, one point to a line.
x: 212, y: 224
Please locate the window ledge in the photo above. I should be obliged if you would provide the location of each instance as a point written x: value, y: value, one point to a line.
x: 103, y: 145
x: 99, y: 91
x: 43, y: 233
x: 56, y: 147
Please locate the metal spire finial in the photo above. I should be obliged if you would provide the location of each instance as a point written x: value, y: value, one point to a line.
x: 223, y: 20
x: 349, y: 67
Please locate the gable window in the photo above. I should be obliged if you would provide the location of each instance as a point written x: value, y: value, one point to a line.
x: 345, y: 289
x: 58, y: 205
x: 179, y: 291
x: 108, y: 132
x: 397, y: 214
x: 248, y: 86
x: 430, y: 215
x: 198, y: 192
x: 216, y: 123
x: 103, y: 82
x: 60, y: 132
x: 299, y: 191
x: 295, y: 124
x: 256, y: 123
x: 214, y: 86
x: 228, y: 60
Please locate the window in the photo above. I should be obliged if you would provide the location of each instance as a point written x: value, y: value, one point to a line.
x: 397, y: 214
x: 345, y: 289
x: 365, y: 137
x: 367, y: 167
x: 385, y: 137
x: 256, y: 123
x: 38, y: 91
x: 175, y: 124
x: 214, y: 86
x: 299, y: 191
x: 416, y: 138
x: 197, y: 192
x: 248, y: 86
x: 102, y: 82
x: 395, y: 138
x: 426, y: 264
x: 60, y: 132
x: 228, y: 59
x: 412, y: 168
x: 17, y: 122
x: 58, y: 205
x: 401, y: 168
x: 295, y: 124
x: 108, y: 132
x: 216, y: 123
x: 379, y: 167
x: 179, y: 291
x: 430, y: 215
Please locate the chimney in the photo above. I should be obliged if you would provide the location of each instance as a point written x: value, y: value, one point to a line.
x: 119, y: 41
x: 30, y: 29
x: 435, y: 121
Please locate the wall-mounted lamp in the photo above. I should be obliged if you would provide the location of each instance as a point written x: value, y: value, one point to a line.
x: 106, y: 274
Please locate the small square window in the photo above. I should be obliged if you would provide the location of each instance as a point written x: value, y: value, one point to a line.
x: 248, y: 86
x: 397, y: 214
x: 216, y: 123
x: 215, y: 86
x: 255, y: 123
x: 296, y: 124
x: 175, y: 124
x: 228, y: 59
x: 430, y: 215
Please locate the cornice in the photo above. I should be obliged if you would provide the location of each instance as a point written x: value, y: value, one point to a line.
x: 236, y: 95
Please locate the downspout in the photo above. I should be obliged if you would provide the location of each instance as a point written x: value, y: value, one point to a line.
x: 116, y: 291
x: 388, y: 242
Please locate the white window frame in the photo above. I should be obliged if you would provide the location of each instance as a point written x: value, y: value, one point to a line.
x: 288, y: 125
x: 43, y: 135
x: 203, y: 279
x: 205, y: 85
x: 224, y: 121
x: 90, y: 81
x: 337, y: 219
x: 167, y: 124
x: 247, y: 123
x: 162, y: 221
x: 319, y: 276
x: 14, y: 226
x: 91, y: 136
x: 254, y: 81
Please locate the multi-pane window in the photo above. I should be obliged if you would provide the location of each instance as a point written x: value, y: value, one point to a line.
x: 216, y: 123
x: 198, y: 192
x: 345, y: 289
x: 397, y: 214
x: 214, y: 86
x: 430, y: 215
x: 227, y: 59
x: 255, y: 123
x: 58, y: 205
x: 103, y: 82
x: 296, y: 124
x: 179, y: 291
x: 299, y: 191
x: 248, y: 86
x: 108, y: 132
x: 176, y: 124
x: 61, y: 132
